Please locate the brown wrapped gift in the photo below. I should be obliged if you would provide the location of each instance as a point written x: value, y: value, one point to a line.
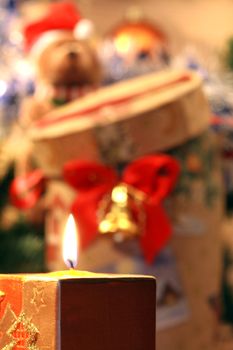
x: 77, y: 310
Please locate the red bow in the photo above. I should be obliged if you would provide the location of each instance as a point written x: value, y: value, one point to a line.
x: 155, y: 176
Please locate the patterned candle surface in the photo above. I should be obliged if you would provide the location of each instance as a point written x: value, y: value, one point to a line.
x: 70, y: 309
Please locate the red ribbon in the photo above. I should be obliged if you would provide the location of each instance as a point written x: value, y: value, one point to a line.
x: 118, y: 100
x: 153, y: 175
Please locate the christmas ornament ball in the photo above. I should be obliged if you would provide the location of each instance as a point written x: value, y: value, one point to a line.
x: 132, y: 48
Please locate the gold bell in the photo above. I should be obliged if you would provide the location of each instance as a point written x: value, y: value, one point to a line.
x: 119, y: 218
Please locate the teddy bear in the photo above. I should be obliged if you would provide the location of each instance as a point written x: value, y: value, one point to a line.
x: 61, y: 48
x: 64, y: 57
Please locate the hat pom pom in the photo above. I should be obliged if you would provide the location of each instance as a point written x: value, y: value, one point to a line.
x: 83, y: 29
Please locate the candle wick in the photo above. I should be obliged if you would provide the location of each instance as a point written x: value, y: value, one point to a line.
x: 71, y: 264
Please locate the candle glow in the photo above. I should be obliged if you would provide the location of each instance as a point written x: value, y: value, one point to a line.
x: 70, y: 243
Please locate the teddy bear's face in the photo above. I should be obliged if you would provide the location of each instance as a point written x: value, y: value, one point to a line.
x: 69, y: 62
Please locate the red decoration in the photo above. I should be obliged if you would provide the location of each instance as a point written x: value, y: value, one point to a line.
x: 138, y: 36
x: 21, y: 336
x: 153, y: 175
x: 26, y: 190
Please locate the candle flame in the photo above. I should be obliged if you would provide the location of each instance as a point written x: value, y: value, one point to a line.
x: 70, y: 243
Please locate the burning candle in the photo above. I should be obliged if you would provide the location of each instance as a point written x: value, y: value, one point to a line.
x: 76, y: 309
x: 70, y: 243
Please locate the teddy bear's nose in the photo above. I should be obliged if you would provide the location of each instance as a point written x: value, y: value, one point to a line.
x: 72, y: 55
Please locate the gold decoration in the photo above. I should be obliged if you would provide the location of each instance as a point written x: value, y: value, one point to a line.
x: 8, y: 318
x: 23, y: 334
x: 118, y: 218
x: 2, y: 297
x: 38, y: 299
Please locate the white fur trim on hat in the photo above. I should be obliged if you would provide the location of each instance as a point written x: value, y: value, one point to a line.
x: 44, y: 41
x: 83, y: 30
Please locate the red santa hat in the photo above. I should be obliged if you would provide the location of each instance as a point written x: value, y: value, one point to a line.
x: 61, y: 17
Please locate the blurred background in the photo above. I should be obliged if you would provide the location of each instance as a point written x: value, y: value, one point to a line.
x: 130, y: 39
